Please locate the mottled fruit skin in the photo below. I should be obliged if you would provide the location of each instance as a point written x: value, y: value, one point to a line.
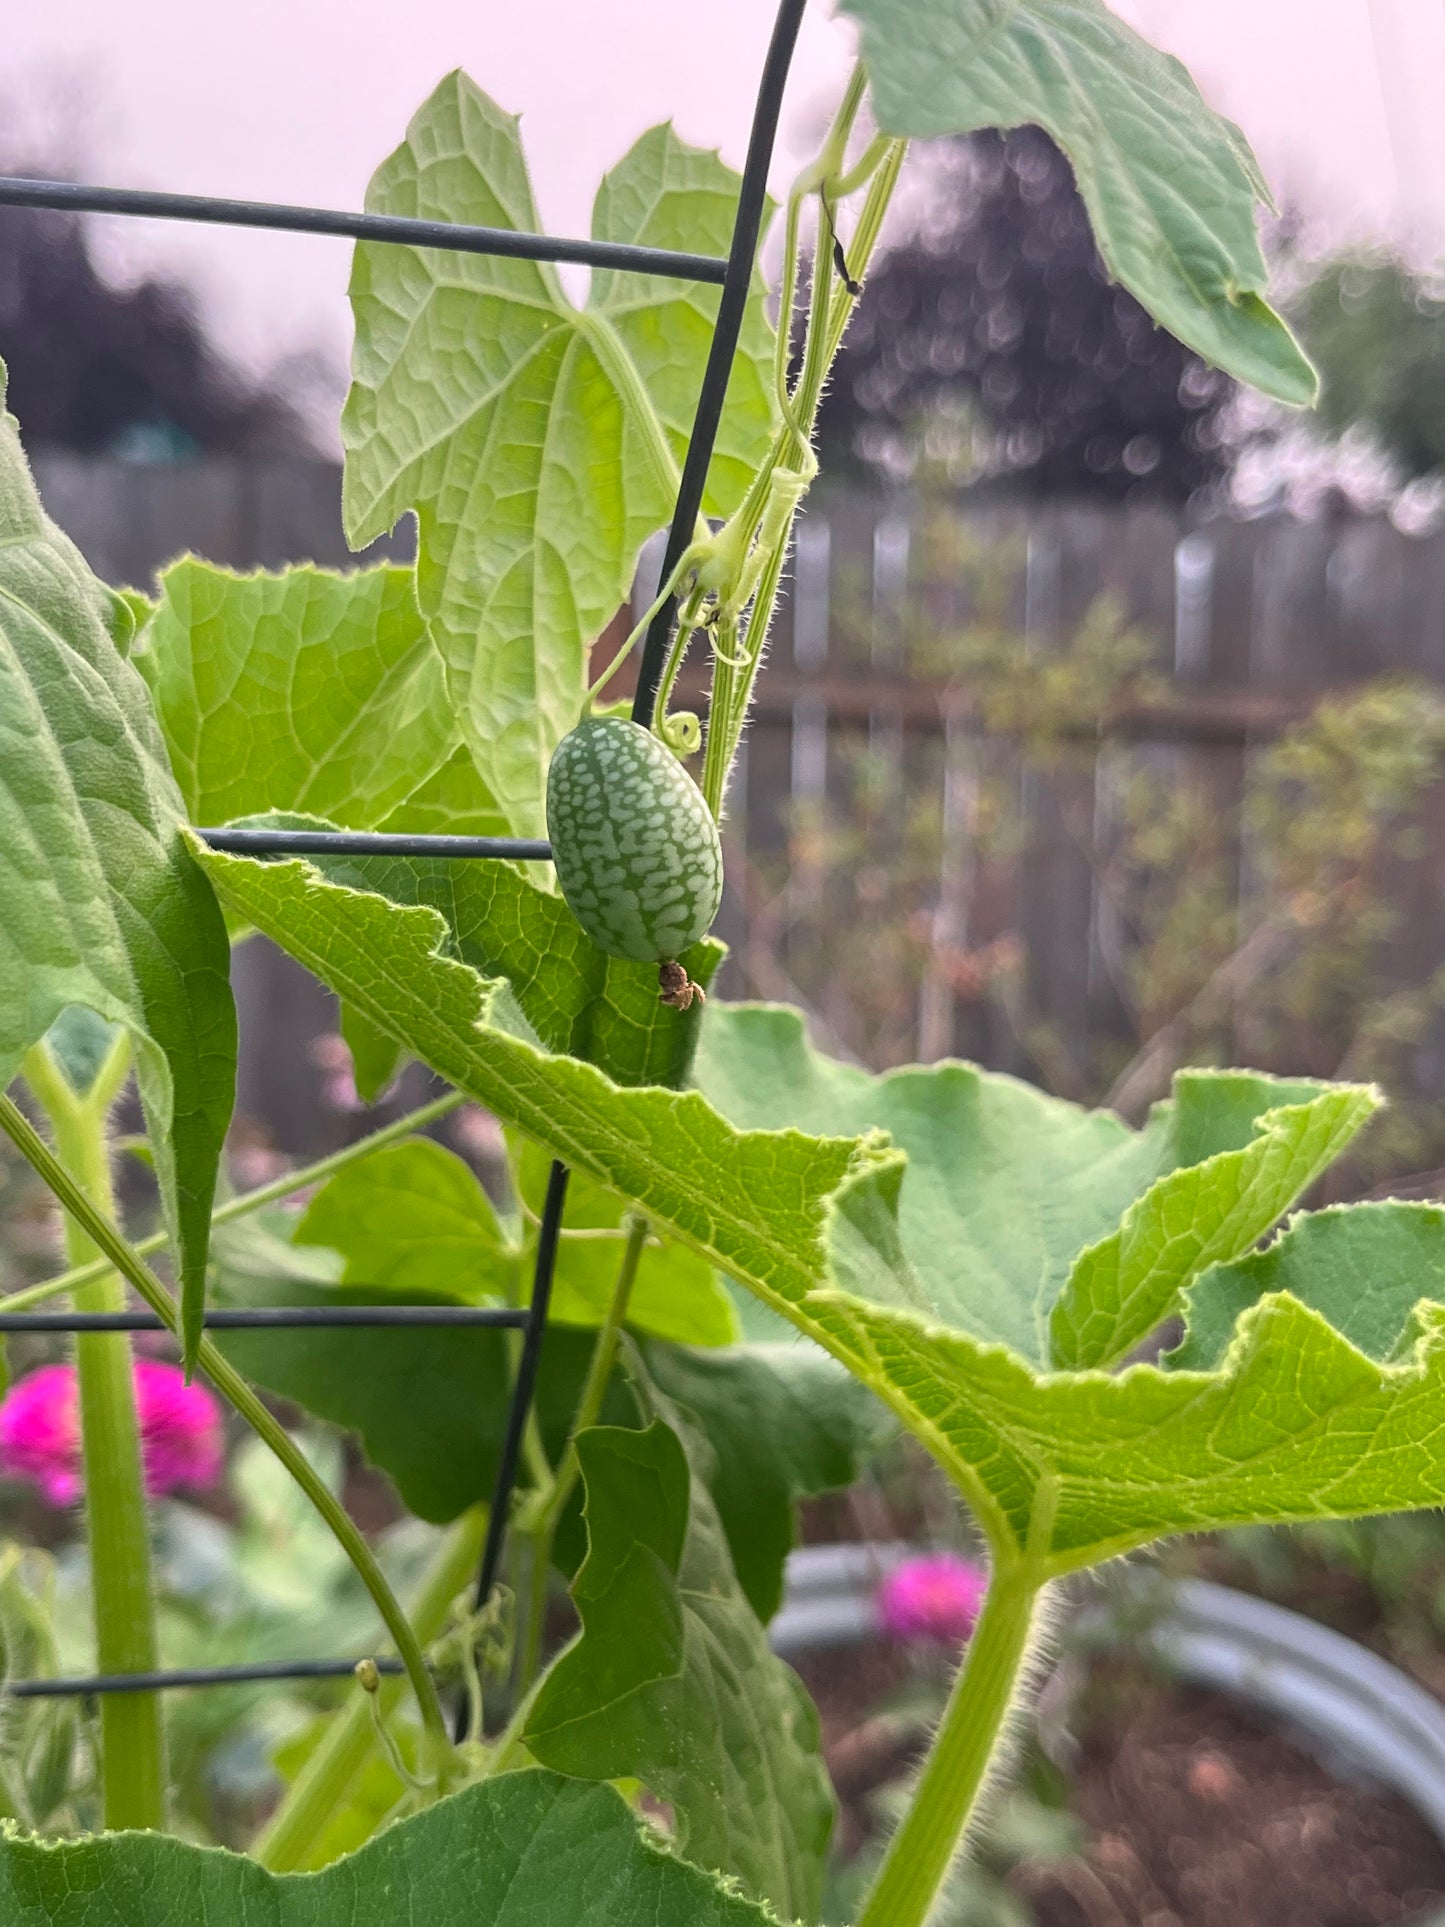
x: 636, y: 850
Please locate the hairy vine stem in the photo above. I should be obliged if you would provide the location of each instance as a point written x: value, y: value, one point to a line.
x: 133, y: 1761
x: 249, y: 1201
x: 783, y: 480
x: 234, y: 1389
x: 328, y: 1777
x: 972, y: 1732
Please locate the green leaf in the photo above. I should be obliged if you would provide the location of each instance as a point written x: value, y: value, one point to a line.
x: 511, y: 1852
x: 1297, y: 1423
x: 413, y: 1218
x: 80, y: 1042
x: 308, y: 691
x: 1200, y: 1215
x: 410, y: 1218
x: 1171, y: 188
x: 103, y: 905
x: 672, y: 1682
x: 564, y: 990
x: 375, y: 1058
x: 782, y: 1423
x: 669, y: 1150
x: 1364, y: 1267
x: 1006, y: 1186
x: 537, y: 442
x: 428, y: 1405
x: 676, y: 1295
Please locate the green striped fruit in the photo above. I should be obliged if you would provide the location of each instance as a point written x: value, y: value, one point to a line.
x: 636, y: 849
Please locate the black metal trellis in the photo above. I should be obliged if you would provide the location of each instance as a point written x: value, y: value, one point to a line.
x: 735, y: 275
x: 278, y: 1318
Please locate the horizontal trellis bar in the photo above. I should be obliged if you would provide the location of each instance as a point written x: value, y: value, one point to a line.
x: 373, y: 843
x: 274, y: 1318
x: 81, y: 1685
x: 398, y: 229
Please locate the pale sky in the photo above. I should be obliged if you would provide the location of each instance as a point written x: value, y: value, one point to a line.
x: 297, y: 100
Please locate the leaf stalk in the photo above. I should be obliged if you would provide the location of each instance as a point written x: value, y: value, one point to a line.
x: 965, y: 1748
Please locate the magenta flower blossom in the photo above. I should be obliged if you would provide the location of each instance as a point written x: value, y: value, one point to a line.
x: 180, y: 1427
x: 935, y: 1597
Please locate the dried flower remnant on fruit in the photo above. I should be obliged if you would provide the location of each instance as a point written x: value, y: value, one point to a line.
x: 180, y: 1428
x: 934, y: 1599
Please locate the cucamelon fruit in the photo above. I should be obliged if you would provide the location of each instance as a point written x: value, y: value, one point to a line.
x: 636, y: 849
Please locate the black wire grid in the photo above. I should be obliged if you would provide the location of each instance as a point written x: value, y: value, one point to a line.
x: 734, y: 275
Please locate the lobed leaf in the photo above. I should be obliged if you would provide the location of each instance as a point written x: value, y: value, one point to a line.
x: 1296, y: 1422
x: 1010, y: 1192
x: 772, y: 1423
x: 537, y: 442
x: 513, y: 1851
x: 672, y: 1682
x: 1202, y: 1214
x: 103, y: 906
x: 1171, y: 188
x: 1363, y: 1267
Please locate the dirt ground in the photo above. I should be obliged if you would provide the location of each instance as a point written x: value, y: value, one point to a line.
x: 1197, y: 1817
x: 1194, y: 1814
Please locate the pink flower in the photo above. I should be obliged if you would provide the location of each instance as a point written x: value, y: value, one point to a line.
x: 180, y: 1427
x: 40, y: 1432
x: 935, y: 1597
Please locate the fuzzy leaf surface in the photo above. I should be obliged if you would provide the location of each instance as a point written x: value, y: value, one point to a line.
x: 1171, y: 188
x: 102, y: 904
x: 1295, y: 1423
x: 511, y: 1852
x: 672, y: 1682
x: 539, y: 443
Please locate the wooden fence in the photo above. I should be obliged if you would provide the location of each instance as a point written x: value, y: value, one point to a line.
x: 1250, y: 625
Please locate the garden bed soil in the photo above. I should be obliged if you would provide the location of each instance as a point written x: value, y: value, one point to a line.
x: 1196, y: 1814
